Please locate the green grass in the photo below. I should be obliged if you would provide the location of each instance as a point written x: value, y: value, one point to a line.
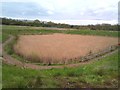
x: 0, y: 73
x: 102, y: 73
x: 16, y: 30
x: 93, y: 32
x: 4, y: 37
x: 0, y: 59
x: 0, y: 37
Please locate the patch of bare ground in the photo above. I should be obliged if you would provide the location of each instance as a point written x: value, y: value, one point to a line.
x: 60, y: 48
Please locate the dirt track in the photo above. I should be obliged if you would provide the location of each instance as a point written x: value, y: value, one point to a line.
x: 12, y: 61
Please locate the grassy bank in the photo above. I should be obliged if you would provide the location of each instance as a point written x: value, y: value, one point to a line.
x: 102, y: 73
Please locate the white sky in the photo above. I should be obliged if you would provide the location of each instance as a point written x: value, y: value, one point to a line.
x: 63, y: 11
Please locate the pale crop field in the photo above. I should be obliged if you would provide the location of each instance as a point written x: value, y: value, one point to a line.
x: 60, y: 48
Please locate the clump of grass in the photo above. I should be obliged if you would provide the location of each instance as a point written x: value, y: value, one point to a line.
x: 9, y: 48
x: 33, y: 57
x: 35, y: 83
x: 100, y: 71
x: 71, y: 74
x: 4, y: 37
x: 57, y: 74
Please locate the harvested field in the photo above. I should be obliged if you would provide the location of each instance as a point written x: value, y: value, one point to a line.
x: 60, y: 48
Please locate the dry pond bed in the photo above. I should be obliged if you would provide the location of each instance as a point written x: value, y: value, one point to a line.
x: 60, y: 48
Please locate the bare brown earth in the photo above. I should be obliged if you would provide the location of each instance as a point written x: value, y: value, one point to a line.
x: 60, y: 48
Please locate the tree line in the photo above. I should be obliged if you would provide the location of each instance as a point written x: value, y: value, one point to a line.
x: 37, y: 23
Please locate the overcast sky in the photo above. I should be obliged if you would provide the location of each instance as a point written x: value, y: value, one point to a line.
x: 63, y: 11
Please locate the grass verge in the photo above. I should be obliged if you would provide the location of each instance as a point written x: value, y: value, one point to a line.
x: 102, y: 73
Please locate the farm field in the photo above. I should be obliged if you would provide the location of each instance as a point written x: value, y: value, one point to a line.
x: 99, y: 73
x: 60, y: 48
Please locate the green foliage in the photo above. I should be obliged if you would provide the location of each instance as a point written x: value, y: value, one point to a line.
x: 38, y: 23
x: 96, y: 74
